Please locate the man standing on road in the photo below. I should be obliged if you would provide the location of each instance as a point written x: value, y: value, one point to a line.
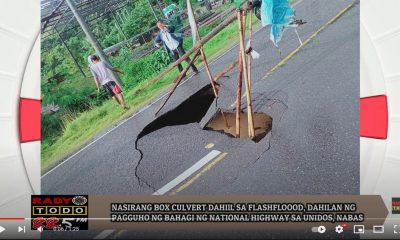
x: 102, y: 76
x: 172, y: 43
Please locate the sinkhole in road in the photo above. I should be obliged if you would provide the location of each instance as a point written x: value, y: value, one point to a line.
x: 191, y: 110
x: 195, y: 108
x: 198, y: 108
x: 226, y: 123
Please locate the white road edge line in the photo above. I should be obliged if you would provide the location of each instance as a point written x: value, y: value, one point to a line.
x: 104, y: 234
x: 144, y: 108
x: 210, y: 156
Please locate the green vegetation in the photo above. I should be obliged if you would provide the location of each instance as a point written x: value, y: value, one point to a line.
x: 84, y: 114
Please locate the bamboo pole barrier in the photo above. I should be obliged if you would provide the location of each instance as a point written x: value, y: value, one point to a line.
x: 206, y: 66
x: 238, y: 97
x: 212, y: 81
x: 239, y: 90
x: 249, y: 55
x: 203, y: 55
x: 225, y: 120
x: 178, y: 80
x: 246, y: 80
x: 226, y: 70
x: 246, y: 64
x: 244, y: 19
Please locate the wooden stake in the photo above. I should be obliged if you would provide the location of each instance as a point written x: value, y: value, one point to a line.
x: 223, y: 116
x: 246, y: 80
x: 225, y: 70
x: 249, y: 55
x: 238, y: 95
x: 212, y: 81
x: 178, y: 80
x: 213, y: 84
x: 239, y: 82
x: 246, y: 65
x: 203, y: 55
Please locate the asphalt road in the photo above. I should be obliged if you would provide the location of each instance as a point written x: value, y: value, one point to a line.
x: 313, y: 147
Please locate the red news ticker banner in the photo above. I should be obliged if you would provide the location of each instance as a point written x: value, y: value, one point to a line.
x: 29, y: 120
x: 374, y: 117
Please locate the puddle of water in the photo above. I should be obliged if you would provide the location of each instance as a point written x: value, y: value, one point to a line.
x: 262, y: 124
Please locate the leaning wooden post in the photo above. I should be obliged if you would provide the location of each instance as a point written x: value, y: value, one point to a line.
x: 238, y: 95
x: 226, y: 70
x: 239, y: 83
x: 178, y: 80
x: 212, y: 81
x: 249, y: 55
x: 246, y: 63
x: 203, y: 55
x: 246, y: 81
x: 225, y: 120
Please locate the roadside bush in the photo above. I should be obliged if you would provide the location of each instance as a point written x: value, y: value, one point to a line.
x: 136, y: 71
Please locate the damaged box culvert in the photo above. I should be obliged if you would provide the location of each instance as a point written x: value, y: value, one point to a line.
x: 195, y: 108
x: 262, y: 124
x: 190, y: 111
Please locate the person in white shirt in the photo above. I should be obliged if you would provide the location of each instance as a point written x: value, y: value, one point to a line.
x: 102, y: 76
x: 172, y: 43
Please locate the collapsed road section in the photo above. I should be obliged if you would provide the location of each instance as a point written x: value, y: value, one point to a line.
x: 201, y: 107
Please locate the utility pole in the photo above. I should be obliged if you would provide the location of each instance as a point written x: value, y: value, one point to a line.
x: 92, y: 39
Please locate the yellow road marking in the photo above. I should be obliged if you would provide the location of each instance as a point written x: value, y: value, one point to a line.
x: 294, y: 52
x: 198, y: 175
x: 210, y: 145
x: 118, y: 234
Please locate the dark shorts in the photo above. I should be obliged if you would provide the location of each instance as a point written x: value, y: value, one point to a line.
x: 112, y: 88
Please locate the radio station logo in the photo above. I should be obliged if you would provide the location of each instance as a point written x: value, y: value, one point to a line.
x: 395, y: 205
x: 59, y: 212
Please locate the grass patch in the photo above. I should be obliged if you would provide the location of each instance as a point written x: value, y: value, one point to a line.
x: 80, y: 130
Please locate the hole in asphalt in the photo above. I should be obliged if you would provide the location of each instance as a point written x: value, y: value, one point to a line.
x: 262, y: 124
x: 190, y: 111
x: 193, y: 110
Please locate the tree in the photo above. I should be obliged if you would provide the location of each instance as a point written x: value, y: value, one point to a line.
x: 139, y: 19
